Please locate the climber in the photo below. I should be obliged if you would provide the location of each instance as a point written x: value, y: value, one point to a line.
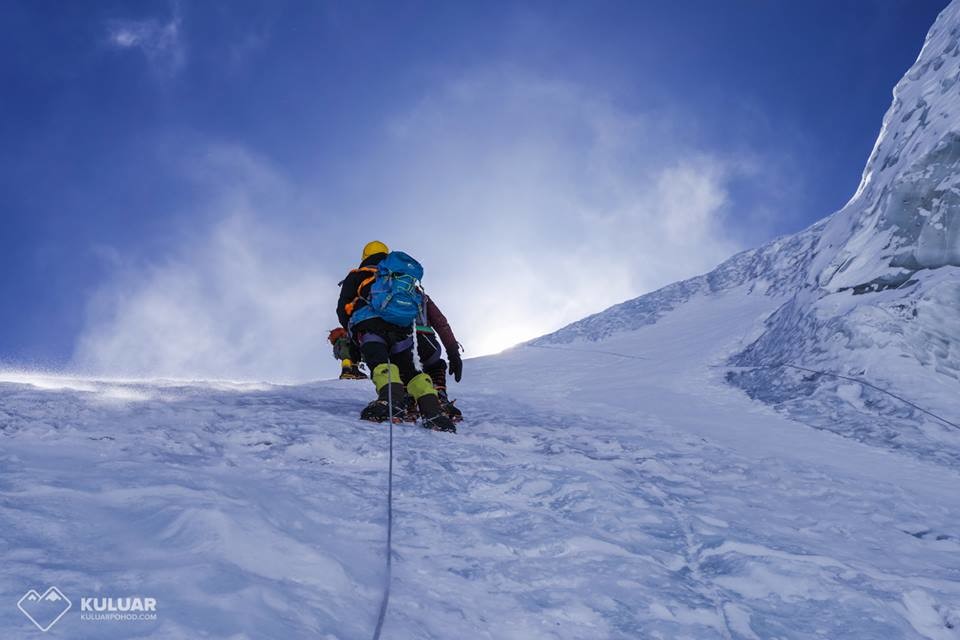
x: 432, y: 331
x: 348, y: 353
x: 379, y: 302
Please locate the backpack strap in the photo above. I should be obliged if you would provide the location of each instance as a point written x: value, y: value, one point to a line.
x: 351, y: 306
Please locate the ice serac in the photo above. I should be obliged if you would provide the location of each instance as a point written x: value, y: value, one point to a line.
x: 905, y: 216
x: 871, y: 292
x: 882, y: 301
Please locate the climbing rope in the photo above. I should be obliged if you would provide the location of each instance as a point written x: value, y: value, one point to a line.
x: 606, y: 353
x: 389, y: 562
x: 389, y: 567
x: 865, y: 383
x: 851, y: 379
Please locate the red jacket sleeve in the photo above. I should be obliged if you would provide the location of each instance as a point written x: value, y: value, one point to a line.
x: 438, y: 321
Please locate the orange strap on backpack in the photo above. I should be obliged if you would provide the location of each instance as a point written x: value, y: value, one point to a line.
x: 352, y: 305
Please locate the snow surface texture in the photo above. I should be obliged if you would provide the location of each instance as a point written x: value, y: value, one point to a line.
x: 627, y: 492
x: 870, y: 293
x: 608, y: 483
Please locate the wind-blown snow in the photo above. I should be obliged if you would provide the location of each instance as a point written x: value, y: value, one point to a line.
x: 609, y: 482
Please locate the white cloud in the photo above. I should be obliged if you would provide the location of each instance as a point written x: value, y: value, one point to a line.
x: 550, y: 203
x: 159, y: 41
x: 240, y: 298
x: 530, y: 203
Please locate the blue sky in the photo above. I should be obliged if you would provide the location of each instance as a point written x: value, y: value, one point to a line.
x: 182, y: 184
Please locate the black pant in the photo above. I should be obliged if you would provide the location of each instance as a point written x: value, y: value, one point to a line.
x: 381, y: 341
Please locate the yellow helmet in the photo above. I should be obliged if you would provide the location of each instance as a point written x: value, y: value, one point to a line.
x: 374, y: 247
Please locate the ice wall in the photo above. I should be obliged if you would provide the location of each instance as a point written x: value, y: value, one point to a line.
x: 905, y: 216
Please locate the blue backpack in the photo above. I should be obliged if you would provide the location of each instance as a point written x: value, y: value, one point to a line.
x: 394, y: 294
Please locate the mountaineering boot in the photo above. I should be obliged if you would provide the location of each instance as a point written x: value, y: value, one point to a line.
x: 376, y: 411
x: 448, y: 407
x: 390, y: 395
x: 379, y: 409
x: 352, y: 372
x: 433, y: 416
x: 438, y: 375
x: 431, y: 413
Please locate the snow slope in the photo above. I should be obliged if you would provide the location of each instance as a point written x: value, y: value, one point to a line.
x: 870, y: 293
x: 882, y: 294
x: 628, y: 492
x: 610, y: 482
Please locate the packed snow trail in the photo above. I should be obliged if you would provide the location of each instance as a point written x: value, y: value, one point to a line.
x: 586, y: 496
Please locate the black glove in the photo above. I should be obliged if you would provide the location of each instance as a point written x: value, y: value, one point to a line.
x: 455, y: 366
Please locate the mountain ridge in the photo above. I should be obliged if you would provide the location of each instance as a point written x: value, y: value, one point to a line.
x: 871, y: 291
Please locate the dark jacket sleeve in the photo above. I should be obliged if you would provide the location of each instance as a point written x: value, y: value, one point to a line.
x: 348, y: 291
x: 438, y: 321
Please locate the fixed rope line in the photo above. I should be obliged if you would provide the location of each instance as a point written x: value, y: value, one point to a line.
x: 851, y: 379
x: 606, y: 353
x: 945, y: 421
x: 389, y: 567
